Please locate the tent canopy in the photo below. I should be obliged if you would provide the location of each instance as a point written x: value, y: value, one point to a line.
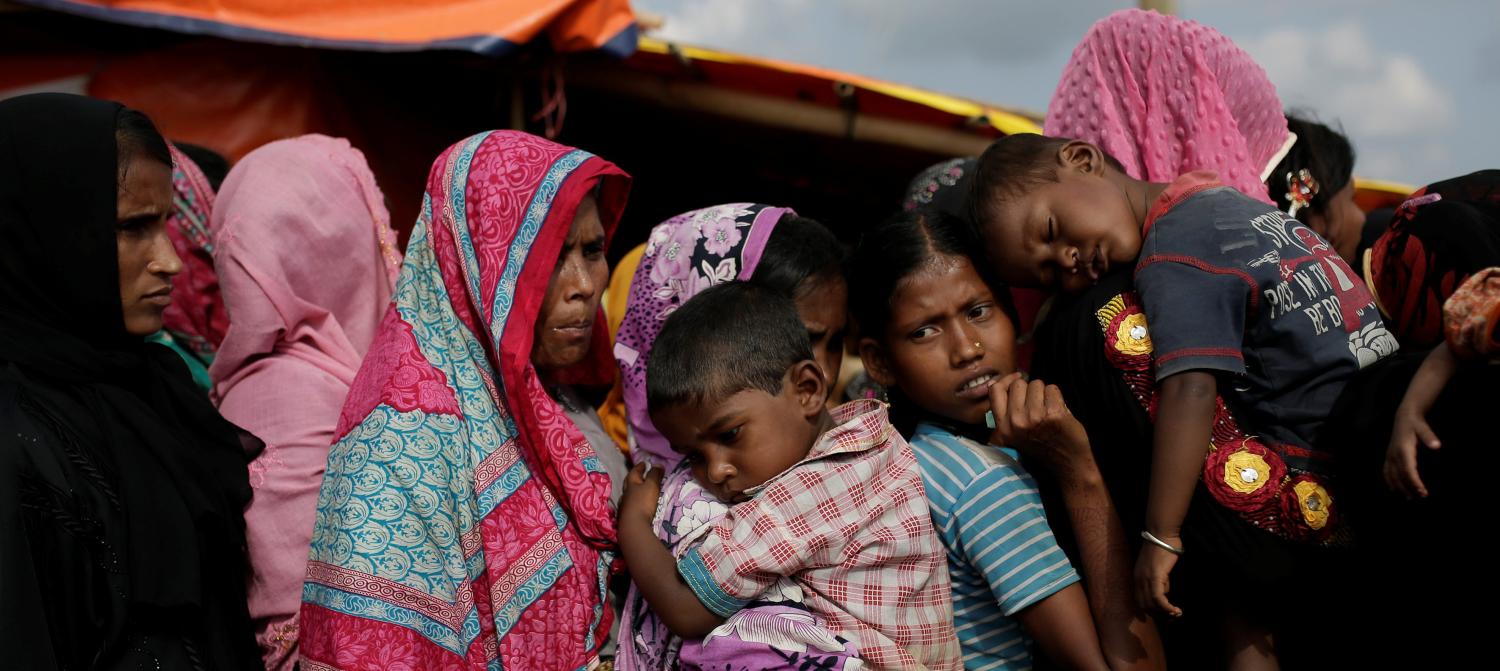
x: 696, y: 126
x: 490, y: 27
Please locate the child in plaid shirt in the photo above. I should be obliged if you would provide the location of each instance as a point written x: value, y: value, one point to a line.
x: 834, y: 502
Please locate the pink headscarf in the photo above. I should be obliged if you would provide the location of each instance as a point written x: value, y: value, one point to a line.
x: 307, y: 261
x: 1166, y: 96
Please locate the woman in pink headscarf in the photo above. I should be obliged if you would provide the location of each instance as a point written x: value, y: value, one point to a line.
x: 1166, y: 96
x: 306, y: 260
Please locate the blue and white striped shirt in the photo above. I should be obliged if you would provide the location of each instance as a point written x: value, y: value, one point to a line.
x: 1002, y: 556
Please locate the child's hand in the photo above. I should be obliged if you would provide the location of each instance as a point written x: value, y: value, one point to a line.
x: 642, y: 489
x: 1401, y: 457
x: 1152, y: 576
x: 1032, y: 419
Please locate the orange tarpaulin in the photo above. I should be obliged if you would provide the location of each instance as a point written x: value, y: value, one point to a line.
x: 490, y: 27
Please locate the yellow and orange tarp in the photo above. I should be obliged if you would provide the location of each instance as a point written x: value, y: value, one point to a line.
x: 784, y: 79
x: 491, y: 27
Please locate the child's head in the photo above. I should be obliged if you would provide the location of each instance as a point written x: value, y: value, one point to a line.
x: 1055, y: 213
x: 931, y: 324
x: 805, y: 262
x: 1329, y: 159
x: 732, y: 385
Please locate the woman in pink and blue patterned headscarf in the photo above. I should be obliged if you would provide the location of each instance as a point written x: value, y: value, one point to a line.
x: 465, y: 518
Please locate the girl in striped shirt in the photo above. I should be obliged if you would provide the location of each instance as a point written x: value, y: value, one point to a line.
x: 940, y: 338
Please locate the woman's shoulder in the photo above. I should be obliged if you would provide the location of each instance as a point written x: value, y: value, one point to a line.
x: 23, y: 439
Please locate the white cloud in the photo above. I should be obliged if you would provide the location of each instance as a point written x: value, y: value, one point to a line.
x: 732, y: 23
x: 935, y: 32
x: 1390, y: 107
x: 1340, y: 74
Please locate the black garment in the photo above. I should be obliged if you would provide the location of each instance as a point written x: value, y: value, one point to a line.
x: 121, y: 489
x: 1230, y: 566
x: 1430, y: 557
x: 1070, y: 354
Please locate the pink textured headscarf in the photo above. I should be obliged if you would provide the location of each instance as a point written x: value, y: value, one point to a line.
x: 306, y: 260
x: 1166, y: 96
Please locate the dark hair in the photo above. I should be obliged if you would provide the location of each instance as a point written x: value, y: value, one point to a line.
x: 800, y: 254
x: 134, y: 133
x: 1014, y: 164
x: 1324, y: 152
x: 890, y: 253
x: 898, y: 247
x: 729, y: 338
x: 213, y: 164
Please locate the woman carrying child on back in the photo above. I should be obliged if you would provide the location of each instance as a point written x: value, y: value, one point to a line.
x: 827, y: 505
x: 765, y: 245
x: 938, y: 333
x: 1242, y: 300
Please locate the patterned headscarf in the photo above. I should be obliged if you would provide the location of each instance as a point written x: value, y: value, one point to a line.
x: 1440, y: 236
x: 196, y: 318
x: 685, y: 255
x: 943, y: 185
x: 464, y: 519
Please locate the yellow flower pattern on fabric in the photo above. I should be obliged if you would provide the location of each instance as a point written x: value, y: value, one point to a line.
x: 1132, y: 336
x: 1246, y: 472
x: 1315, y: 503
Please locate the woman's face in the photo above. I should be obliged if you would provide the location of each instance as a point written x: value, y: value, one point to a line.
x: 823, y: 308
x: 946, y: 342
x: 146, y: 258
x: 1341, y: 223
x: 565, y: 327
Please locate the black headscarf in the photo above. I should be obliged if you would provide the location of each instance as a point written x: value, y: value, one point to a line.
x: 120, y: 449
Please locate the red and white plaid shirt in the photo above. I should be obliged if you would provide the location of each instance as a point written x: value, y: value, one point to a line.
x: 849, y: 523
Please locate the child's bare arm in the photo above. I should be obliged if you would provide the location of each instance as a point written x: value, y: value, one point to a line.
x: 1184, y: 422
x: 1040, y: 425
x: 1061, y: 628
x: 652, y: 568
x: 1410, y: 426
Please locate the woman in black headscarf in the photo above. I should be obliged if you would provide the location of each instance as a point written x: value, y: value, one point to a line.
x: 121, y: 489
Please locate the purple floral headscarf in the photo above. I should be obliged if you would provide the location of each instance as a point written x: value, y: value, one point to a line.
x: 685, y: 255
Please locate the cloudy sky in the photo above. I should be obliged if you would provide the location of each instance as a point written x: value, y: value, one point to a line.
x: 1416, y: 85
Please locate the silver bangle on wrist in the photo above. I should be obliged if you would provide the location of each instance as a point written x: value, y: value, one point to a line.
x: 1160, y: 543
